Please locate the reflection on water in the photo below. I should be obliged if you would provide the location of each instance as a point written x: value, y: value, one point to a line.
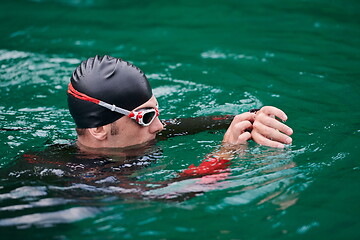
x: 50, y: 219
x: 64, y: 184
x: 54, y: 182
x: 269, y: 176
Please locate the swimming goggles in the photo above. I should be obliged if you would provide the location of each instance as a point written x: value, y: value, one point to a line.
x: 143, y: 117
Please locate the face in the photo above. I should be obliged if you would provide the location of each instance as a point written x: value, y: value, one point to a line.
x: 129, y: 133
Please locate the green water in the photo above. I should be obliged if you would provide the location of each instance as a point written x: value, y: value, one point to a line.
x: 202, y: 58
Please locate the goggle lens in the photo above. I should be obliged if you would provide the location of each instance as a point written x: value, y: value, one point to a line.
x: 144, y: 117
x: 149, y: 117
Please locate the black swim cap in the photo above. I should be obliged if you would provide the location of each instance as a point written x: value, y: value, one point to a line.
x: 111, y: 80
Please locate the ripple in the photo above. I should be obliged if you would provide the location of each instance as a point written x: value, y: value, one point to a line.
x: 218, y: 54
x: 31, y: 68
x: 41, y: 203
x: 7, y: 55
x: 196, y: 99
x: 90, y: 188
x: 26, y: 191
x: 258, y: 193
x: 49, y: 219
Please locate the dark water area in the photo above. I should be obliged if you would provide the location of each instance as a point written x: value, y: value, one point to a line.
x: 202, y: 58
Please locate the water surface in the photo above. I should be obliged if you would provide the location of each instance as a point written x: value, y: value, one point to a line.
x: 202, y: 58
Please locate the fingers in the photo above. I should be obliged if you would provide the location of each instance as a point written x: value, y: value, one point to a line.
x: 236, y: 133
x: 243, y: 138
x: 269, y: 110
x: 263, y: 121
x: 272, y: 133
x: 260, y: 139
x: 244, y: 117
x: 265, y: 128
x: 268, y: 131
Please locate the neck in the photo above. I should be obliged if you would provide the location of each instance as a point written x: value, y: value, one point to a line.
x: 135, y: 150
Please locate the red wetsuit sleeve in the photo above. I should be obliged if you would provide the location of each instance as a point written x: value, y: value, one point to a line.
x: 208, y: 166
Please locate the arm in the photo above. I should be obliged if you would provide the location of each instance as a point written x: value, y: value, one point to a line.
x: 234, y: 141
x: 186, y: 126
x: 217, y: 162
x: 260, y: 125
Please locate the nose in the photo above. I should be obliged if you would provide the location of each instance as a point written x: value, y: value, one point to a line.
x: 156, y: 126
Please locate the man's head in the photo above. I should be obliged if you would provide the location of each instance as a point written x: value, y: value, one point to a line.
x: 103, y: 90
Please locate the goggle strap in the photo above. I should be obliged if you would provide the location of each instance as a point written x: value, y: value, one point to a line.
x: 71, y: 90
x: 82, y: 96
x: 114, y: 108
x: 133, y: 115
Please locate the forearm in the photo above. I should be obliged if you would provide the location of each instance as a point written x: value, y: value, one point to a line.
x: 188, y: 126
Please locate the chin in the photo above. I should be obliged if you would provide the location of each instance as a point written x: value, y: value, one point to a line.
x: 143, y: 141
x: 151, y: 138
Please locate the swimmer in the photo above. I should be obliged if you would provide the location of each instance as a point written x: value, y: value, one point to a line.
x: 113, y: 106
x: 117, y: 119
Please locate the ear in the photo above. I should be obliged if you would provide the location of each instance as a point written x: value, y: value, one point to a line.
x: 99, y: 133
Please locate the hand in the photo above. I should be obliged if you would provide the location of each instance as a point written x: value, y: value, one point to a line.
x: 269, y: 131
x: 237, y: 132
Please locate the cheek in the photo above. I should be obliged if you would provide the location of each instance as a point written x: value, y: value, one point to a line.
x: 133, y: 131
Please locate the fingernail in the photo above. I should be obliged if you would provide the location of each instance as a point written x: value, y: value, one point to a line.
x: 288, y: 140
